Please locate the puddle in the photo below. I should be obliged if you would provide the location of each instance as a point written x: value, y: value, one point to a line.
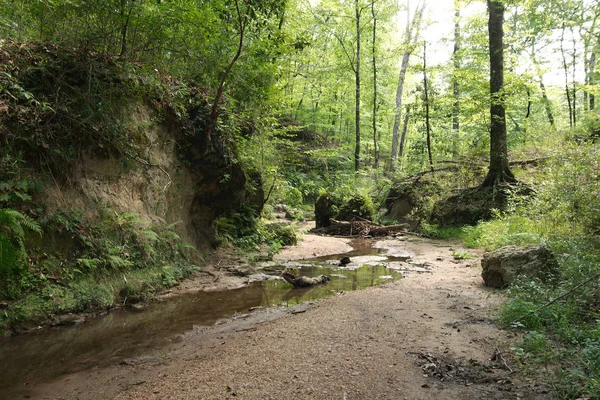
x: 107, y: 340
x: 364, y: 251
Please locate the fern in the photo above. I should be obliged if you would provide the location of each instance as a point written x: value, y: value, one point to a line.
x: 12, y: 238
x: 8, y: 254
x: 150, y: 235
x: 89, y: 264
x: 118, y: 262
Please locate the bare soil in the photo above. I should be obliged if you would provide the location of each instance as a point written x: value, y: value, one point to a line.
x: 428, y: 336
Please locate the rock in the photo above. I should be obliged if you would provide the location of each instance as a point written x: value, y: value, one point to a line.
x: 293, y: 214
x: 407, y: 197
x: 476, y: 204
x: 254, y: 194
x: 502, y: 266
x: 136, y: 307
x: 358, y: 207
x: 304, y: 281
x: 324, y: 211
x: 242, y: 270
x: 280, y: 208
x: 69, y: 319
x: 345, y: 260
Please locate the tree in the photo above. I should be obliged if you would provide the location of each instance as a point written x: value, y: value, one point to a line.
x: 375, y: 147
x: 499, y: 171
x: 242, y: 20
x: 357, y: 11
x: 426, y: 101
x: 411, y: 36
x: 455, y: 84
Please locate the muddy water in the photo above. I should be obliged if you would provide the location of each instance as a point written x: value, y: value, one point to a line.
x: 123, y: 334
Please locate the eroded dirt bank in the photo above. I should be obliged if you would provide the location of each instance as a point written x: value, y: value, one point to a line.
x: 395, y: 341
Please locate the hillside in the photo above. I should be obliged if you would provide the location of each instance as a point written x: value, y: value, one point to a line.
x: 110, y: 158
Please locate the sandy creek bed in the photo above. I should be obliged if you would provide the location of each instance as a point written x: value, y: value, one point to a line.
x: 427, y: 336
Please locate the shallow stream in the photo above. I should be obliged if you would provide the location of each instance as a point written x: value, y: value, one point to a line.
x: 122, y: 333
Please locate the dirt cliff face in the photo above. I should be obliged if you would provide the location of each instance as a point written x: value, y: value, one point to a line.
x: 189, y: 188
x: 101, y: 133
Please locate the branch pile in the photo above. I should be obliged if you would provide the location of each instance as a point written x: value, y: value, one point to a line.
x: 360, y: 229
x: 304, y: 281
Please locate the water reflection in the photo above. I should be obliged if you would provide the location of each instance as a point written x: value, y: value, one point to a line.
x: 121, y: 334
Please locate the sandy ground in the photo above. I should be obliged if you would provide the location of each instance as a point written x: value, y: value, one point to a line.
x: 427, y: 336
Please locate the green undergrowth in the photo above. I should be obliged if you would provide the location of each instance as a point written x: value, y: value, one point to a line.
x: 247, y: 232
x: 562, y: 337
x: 43, y: 299
x: 79, y: 265
x: 59, y: 105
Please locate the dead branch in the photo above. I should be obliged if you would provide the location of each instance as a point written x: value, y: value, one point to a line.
x: 567, y: 294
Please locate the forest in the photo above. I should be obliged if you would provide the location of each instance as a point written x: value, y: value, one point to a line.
x: 481, y: 113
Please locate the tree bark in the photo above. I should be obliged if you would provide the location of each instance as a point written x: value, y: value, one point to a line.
x: 404, y: 130
x: 426, y: 99
x: 214, y: 113
x: 375, y: 148
x: 124, y: 26
x: 455, y: 85
x: 357, y: 78
x: 592, y: 79
x: 411, y: 41
x: 573, y: 82
x: 545, y: 99
x: 566, y: 69
x: 499, y: 170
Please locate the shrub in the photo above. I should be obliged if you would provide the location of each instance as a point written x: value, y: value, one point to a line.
x: 360, y: 206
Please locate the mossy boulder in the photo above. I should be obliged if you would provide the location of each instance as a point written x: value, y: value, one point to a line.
x: 501, y: 267
x: 326, y: 208
x: 284, y: 233
x: 358, y: 207
x: 410, y: 199
x: 255, y: 191
x: 476, y: 204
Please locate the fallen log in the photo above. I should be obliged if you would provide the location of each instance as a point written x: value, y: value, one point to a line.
x: 360, y: 228
x: 304, y: 281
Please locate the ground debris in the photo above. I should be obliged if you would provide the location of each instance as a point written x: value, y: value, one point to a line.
x: 461, y: 371
x: 360, y: 228
x: 148, y: 360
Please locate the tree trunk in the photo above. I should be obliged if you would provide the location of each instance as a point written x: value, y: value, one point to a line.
x: 404, y: 129
x: 124, y: 26
x: 456, y: 87
x: 592, y: 78
x: 547, y: 104
x: 573, y: 82
x: 375, y: 148
x: 426, y: 99
x: 357, y: 78
x: 499, y: 170
x: 586, y: 80
x: 528, y: 113
x: 411, y: 41
x: 545, y: 99
x: 214, y: 113
x: 566, y: 69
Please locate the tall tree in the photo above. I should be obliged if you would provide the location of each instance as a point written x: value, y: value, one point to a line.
x: 242, y: 20
x: 592, y: 75
x: 540, y: 77
x: 357, y: 12
x: 375, y: 147
x: 455, y: 85
x: 411, y: 37
x: 499, y: 170
x: 426, y: 100
x: 566, y: 71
